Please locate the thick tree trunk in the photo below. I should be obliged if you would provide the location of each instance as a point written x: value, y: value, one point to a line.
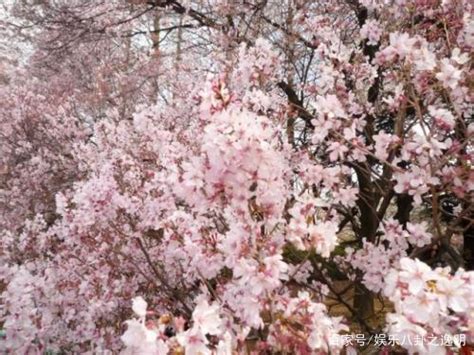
x: 468, y: 248
x: 404, y: 207
x: 155, y: 38
x: 363, y: 301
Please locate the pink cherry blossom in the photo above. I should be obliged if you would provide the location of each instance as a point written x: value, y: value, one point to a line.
x: 206, y: 318
x: 417, y: 234
x: 139, y: 306
x: 449, y: 75
x: 372, y: 31
x: 416, y: 274
x: 442, y: 117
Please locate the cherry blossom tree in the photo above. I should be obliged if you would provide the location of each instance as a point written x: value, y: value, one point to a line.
x: 220, y: 177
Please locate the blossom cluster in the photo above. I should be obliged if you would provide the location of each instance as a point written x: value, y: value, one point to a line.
x: 429, y: 303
